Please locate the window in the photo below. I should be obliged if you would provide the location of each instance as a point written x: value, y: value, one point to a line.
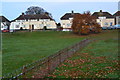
x: 17, y: 20
x: 40, y: 20
x: 70, y: 18
x: 17, y: 26
x: 33, y: 20
x: 24, y: 26
x: 63, y: 23
x: 22, y: 20
x: 118, y: 22
x: 48, y: 25
x: 46, y: 20
x: 99, y: 23
x: 106, y: 23
x: 41, y: 25
x: 102, y: 17
x: 68, y: 25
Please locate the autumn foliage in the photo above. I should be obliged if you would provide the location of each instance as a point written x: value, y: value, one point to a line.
x: 85, y: 24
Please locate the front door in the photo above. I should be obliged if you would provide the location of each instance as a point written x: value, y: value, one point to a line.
x: 111, y: 24
x: 32, y: 27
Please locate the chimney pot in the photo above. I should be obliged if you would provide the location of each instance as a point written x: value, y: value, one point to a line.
x: 72, y: 11
x: 100, y: 10
x: 22, y: 13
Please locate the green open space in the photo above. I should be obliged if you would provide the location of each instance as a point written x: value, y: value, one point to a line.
x: 22, y: 48
x: 99, y: 59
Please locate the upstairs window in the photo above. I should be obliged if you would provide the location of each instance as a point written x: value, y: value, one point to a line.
x: 17, y: 20
x: 33, y: 20
x: 46, y: 20
x: 102, y: 17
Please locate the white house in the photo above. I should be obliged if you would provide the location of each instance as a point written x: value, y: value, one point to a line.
x: 33, y: 22
x: 66, y: 21
x: 117, y: 17
x: 4, y: 23
x: 105, y: 19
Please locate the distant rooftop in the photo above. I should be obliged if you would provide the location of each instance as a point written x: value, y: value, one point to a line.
x: 35, y: 16
x: 102, y: 14
x: 117, y: 13
x: 68, y: 15
x: 3, y: 19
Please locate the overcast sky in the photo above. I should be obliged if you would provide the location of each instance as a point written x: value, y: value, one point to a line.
x: 11, y: 10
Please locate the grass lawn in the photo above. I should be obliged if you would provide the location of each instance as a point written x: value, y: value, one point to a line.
x: 22, y: 48
x: 98, y: 60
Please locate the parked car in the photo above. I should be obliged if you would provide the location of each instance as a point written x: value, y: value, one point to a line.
x: 104, y: 28
x: 5, y: 30
x: 11, y: 30
x: 111, y: 27
x: 117, y: 26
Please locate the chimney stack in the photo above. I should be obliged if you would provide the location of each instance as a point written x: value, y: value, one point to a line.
x: 22, y: 13
x: 100, y: 10
x: 72, y: 11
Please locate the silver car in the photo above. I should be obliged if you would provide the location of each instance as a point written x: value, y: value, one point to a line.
x: 117, y: 26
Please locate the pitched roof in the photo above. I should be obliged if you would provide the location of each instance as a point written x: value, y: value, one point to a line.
x: 35, y: 16
x: 117, y: 13
x: 68, y: 15
x: 3, y: 19
x: 102, y: 14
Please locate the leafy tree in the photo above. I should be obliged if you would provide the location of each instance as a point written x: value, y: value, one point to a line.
x: 37, y: 10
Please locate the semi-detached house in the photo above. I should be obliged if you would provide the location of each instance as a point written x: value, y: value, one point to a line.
x: 33, y: 22
x: 117, y: 17
x: 66, y: 21
x: 105, y: 19
x: 4, y: 23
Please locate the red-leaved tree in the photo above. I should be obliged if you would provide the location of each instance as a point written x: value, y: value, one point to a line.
x: 85, y: 23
